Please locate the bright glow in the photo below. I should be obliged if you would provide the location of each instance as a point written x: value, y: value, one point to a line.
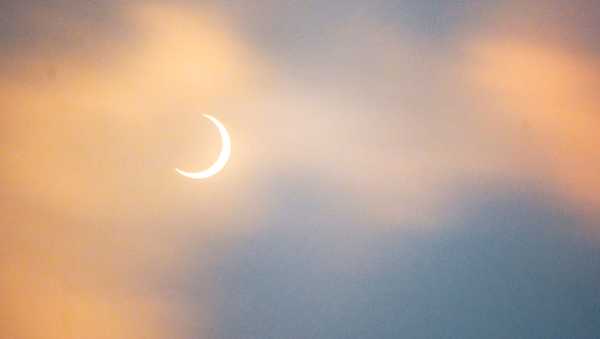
x: 221, y: 160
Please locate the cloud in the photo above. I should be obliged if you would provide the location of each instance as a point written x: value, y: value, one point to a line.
x: 385, y: 126
x: 102, y: 128
x: 507, y: 262
x: 547, y: 89
x: 90, y: 137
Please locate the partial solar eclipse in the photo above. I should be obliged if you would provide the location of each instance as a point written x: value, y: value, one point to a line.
x: 218, y: 165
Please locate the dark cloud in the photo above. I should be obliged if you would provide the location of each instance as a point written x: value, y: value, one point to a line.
x: 505, y: 267
x: 59, y: 25
x: 293, y: 26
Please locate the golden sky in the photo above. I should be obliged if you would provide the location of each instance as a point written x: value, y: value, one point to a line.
x: 392, y: 122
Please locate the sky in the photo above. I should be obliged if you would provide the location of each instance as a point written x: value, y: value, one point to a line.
x: 399, y: 169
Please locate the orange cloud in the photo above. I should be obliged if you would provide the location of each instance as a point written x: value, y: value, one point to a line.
x: 549, y: 89
x: 90, y: 138
x: 90, y: 133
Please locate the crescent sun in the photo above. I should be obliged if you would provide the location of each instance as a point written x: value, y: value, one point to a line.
x: 218, y: 165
